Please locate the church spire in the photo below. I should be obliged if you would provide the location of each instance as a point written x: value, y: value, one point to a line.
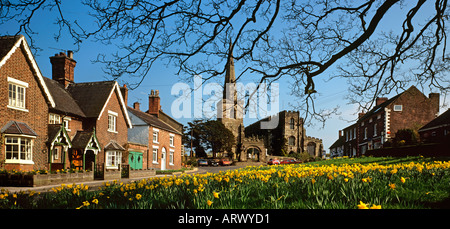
x: 230, y: 78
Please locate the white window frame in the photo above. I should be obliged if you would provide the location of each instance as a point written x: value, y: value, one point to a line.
x: 365, y: 133
x: 155, y: 136
x: 398, y: 107
x: 354, y: 133
x: 113, y: 159
x: 15, y: 102
x: 155, y: 155
x: 374, y: 129
x: 54, y: 118
x: 171, y: 157
x: 28, y: 156
x: 112, y: 121
x: 66, y: 121
x: 172, y: 140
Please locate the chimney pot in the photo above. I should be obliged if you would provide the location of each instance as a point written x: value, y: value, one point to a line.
x: 63, y: 68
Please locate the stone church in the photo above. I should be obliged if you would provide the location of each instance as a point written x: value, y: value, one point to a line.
x: 254, y: 143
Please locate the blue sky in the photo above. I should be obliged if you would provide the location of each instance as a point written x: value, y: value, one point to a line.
x: 162, y: 78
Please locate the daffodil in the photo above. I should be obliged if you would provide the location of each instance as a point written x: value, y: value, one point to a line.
x: 209, y: 202
x: 392, y: 186
x: 216, y: 195
x: 402, y: 179
x: 362, y: 205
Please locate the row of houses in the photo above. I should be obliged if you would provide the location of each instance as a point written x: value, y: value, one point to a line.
x: 57, y: 123
x: 410, y: 109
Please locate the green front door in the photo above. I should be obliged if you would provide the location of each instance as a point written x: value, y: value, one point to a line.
x: 135, y: 160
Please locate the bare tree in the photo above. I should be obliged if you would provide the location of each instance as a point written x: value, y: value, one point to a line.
x: 292, y: 39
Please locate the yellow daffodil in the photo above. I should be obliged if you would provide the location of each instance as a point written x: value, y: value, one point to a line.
x: 209, y: 202
x: 402, y: 179
x: 216, y: 195
x: 138, y: 196
x: 362, y: 205
x: 392, y: 186
x: 95, y: 201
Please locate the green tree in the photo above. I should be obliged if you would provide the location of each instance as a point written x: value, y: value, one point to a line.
x: 209, y: 135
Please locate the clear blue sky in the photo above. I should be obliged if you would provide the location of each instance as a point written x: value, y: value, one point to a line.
x: 331, y: 93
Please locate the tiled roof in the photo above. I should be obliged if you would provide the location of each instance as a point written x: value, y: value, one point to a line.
x: 113, y: 145
x: 63, y: 99
x: 6, y: 44
x: 14, y: 127
x: 91, y: 97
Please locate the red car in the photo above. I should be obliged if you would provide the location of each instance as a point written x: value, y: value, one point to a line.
x: 273, y: 162
x: 289, y: 161
x: 225, y: 161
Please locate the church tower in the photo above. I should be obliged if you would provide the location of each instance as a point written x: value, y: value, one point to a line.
x: 230, y: 109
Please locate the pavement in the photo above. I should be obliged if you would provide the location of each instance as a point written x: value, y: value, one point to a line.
x: 95, y: 184
x: 92, y: 185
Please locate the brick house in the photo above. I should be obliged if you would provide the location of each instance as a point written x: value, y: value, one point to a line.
x: 408, y: 110
x: 57, y: 123
x: 93, y: 114
x: 24, y: 104
x: 155, y: 138
x: 437, y: 130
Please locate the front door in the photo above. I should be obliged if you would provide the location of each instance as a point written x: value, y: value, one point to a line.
x: 163, y: 159
x: 135, y: 160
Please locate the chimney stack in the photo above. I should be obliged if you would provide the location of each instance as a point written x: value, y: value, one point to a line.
x: 136, y: 106
x: 154, y: 103
x: 381, y: 100
x: 124, y: 91
x: 434, y: 97
x: 63, y: 68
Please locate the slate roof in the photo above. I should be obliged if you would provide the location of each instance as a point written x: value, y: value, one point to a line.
x: 440, y: 121
x: 152, y: 120
x: 14, y: 127
x: 379, y: 107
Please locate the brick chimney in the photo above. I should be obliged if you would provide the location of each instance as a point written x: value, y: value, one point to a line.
x: 63, y: 68
x: 124, y: 91
x: 434, y: 98
x: 360, y: 115
x: 381, y: 100
x: 136, y: 106
x: 154, y: 103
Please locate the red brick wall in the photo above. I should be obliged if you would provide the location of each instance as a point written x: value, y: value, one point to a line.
x: 104, y: 136
x: 417, y: 111
x: 164, y: 142
x: 17, y: 67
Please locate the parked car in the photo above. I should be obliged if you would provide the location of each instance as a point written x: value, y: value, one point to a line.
x: 290, y: 161
x: 202, y: 162
x: 214, y: 162
x: 273, y: 162
x: 225, y: 161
